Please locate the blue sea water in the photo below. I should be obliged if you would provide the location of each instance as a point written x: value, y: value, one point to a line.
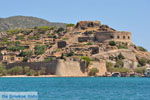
x: 87, y: 88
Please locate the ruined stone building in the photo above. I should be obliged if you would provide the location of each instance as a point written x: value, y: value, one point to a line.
x: 101, y: 33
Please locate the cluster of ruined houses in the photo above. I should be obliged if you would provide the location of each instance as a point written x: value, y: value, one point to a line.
x: 96, y: 38
x: 102, y: 34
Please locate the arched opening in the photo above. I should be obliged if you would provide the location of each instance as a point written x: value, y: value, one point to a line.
x: 112, y: 37
x: 124, y: 37
x: 128, y: 37
x: 118, y: 37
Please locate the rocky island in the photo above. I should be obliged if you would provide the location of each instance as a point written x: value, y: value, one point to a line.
x: 88, y: 48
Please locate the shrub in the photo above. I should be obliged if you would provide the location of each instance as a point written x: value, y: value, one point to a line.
x: 48, y: 59
x: 142, y: 61
x: 60, y: 30
x: 93, y: 72
x: 16, y: 48
x: 25, y: 59
x: 109, y: 66
x: 39, y: 50
x: 112, y: 43
x: 120, y: 56
x: 26, y: 54
x: 122, y: 47
x: 69, y: 54
x: 17, y: 70
x: 3, y: 70
x: 86, y: 59
x: 119, y: 64
x: 20, y: 37
x: 15, y: 31
x: 140, y: 70
x: 89, y: 43
x: 70, y: 25
x: 31, y: 72
x: 142, y: 49
x: 26, y: 69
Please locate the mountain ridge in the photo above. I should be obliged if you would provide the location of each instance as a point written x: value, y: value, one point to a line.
x: 15, y: 22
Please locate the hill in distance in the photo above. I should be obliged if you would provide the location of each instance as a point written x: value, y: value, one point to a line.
x: 25, y: 22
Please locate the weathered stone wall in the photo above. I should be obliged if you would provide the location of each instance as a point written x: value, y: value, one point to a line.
x: 50, y: 66
x: 116, y: 36
x: 85, y: 39
x: 63, y: 68
x: 87, y: 24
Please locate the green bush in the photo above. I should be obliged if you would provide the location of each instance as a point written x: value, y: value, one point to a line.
x: 140, y: 70
x: 3, y: 70
x: 142, y: 49
x: 122, y: 47
x: 119, y: 64
x: 89, y: 43
x: 15, y: 31
x: 121, y: 70
x: 109, y: 66
x: 112, y: 43
x: 20, y: 37
x: 26, y: 69
x: 70, y: 25
x: 16, y: 48
x: 86, y: 59
x: 40, y: 49
x: 69, y: 54
x: 26, y: 54
x: 142, y: 61
x: 18, y: 70
x: 93, y: 72
x: 48, y: 59
x: 120, y: 57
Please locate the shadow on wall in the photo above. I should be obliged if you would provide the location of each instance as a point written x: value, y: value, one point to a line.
x: 83, y: 66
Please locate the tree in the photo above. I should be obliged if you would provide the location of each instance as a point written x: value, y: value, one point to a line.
x: 93, y: 72
x: 120, y: 56
x: 112, y: 43
x: 86, y: 59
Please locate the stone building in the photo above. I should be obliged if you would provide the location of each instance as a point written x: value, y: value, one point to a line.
x: 61, y: 44
x: 120, y: 36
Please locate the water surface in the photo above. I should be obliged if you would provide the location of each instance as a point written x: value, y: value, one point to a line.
x: 87, y: 88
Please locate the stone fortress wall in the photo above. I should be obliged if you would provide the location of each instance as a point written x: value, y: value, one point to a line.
x: 113, y: 36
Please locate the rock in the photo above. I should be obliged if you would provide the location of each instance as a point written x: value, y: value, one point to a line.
x: 106, y: 28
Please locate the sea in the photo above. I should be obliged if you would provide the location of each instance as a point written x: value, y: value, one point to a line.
x: 81, y: 88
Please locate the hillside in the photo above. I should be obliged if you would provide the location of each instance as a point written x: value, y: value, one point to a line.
x: 25, y: 22
x: 87, y: 48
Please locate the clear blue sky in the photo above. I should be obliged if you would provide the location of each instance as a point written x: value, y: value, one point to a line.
x: 124, y: 15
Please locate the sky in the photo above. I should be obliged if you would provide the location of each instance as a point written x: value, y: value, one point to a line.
x: 122, y: 15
